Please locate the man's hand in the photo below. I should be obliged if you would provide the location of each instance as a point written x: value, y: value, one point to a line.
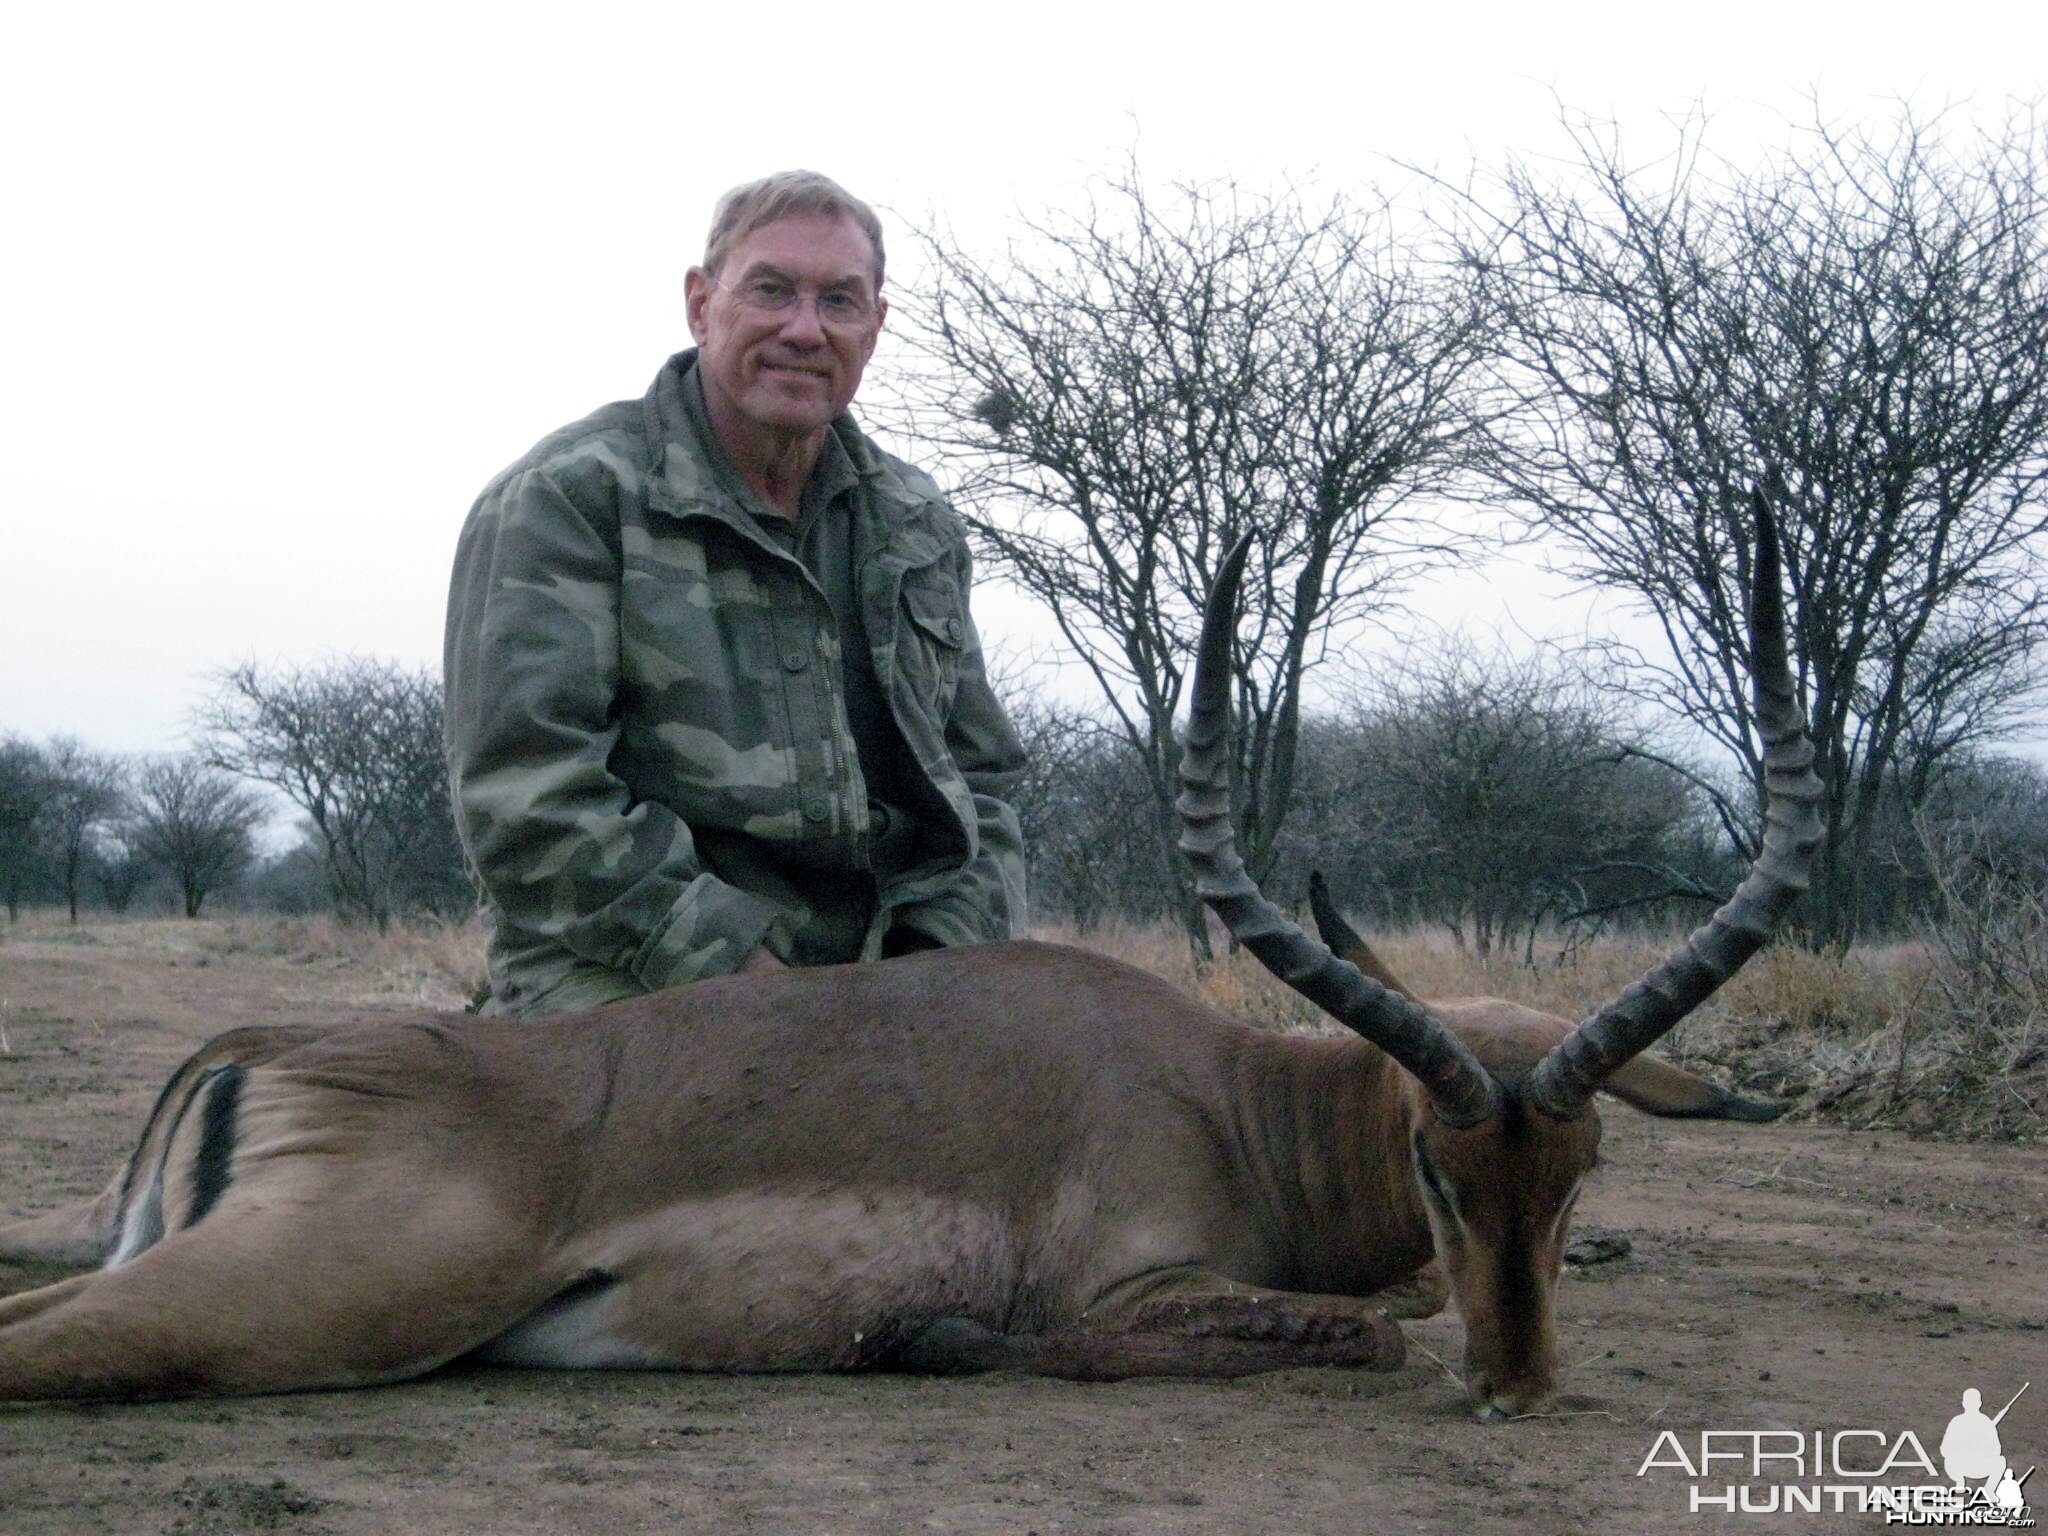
x: 760, y: 962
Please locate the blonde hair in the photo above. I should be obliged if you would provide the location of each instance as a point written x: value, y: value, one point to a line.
x: 745, y: 209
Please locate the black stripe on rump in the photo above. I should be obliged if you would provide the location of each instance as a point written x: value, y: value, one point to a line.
x: 133, y: 1172
x: 223, y: 1093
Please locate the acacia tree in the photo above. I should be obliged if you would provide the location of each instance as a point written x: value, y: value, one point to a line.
x: 119, y: 869
x: 1860, y: 325
x: 88, y: 792
x: 1135, y: 385
x: 356, y: 744
x: 1501, y: 791
x: 1083, y: 803
x: 195, y: 822
x: 25, y: 795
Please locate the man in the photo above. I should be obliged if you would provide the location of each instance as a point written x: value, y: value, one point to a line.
x: 715, y: 700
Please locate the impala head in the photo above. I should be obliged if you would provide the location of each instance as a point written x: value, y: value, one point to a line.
x: 1499, y: 1119
x: 1498, y: 1197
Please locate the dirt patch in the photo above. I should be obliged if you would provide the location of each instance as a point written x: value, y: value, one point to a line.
x: 222, y: 1504
x: 1743, y: 1278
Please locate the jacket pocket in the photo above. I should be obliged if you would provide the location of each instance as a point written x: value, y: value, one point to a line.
x: 934, y: 637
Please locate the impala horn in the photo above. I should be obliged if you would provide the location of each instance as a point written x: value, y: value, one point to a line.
x: 1463, y: 1092
x: 1565, y: 1079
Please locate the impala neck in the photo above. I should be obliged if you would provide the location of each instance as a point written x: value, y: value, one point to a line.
x: 1322, y: 1128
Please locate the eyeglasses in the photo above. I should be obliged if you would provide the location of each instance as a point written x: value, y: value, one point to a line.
x: 775, y: 296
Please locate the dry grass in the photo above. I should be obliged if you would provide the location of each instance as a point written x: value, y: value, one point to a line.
x: 423, y: 961
x: 173, y: 936
x: 1948, y: 1037
x: 419, y: 963
x: 1235, y: 982
x: 1903, y: 1035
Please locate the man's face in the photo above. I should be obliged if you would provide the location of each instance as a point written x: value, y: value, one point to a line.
x: 792, y: 369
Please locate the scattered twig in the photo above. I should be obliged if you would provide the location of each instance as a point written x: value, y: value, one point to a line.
x: 1458, y: 1380
x: 1569, y: 1413
x: 1750, y: 1178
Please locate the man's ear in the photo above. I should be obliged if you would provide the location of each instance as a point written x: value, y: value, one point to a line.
x: 696, y: 299
x: 881, y: 319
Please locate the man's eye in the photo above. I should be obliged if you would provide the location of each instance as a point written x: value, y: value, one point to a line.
x: 767, y: 291
x: 840, y: 302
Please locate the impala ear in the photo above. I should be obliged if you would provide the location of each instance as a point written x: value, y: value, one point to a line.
x: 1343, y: 939
x: 1330, y: 925
x: 1657, y: 1087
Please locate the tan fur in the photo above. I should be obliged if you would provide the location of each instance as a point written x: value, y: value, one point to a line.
x: 1015, y: 1155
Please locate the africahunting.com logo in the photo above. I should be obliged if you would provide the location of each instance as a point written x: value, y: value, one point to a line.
x: 1853, y: 1471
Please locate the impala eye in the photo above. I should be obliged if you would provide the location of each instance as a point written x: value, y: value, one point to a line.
x: 1564, y: 1211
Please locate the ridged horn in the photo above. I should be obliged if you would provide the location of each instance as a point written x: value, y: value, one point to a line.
x: 1566, y: 1078
x: 1463, y: 1092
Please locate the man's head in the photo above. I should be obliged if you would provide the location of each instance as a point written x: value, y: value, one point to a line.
x: 784, y: 195
x: 787, y: 305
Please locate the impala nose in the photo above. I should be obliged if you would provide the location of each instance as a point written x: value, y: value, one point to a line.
x: 1495, y: 1404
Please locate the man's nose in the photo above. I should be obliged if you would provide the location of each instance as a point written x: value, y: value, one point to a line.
x: 803, y: 323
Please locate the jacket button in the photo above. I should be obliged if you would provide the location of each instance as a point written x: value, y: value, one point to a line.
x: 954, y: 631
x: 816, y: 808
x: 795, y: 661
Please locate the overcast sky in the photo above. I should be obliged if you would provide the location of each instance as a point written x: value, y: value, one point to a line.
x: 284, y: 284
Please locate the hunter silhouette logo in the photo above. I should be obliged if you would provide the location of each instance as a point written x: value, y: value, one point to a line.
x: 1851, y: 1471
x: 1971, y: 1452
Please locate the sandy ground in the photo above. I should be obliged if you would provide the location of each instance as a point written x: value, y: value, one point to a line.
x: 1776, y: 1278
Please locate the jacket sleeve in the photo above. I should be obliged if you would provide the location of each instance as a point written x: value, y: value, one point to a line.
x: 562, y: 850
x: 986, y: 898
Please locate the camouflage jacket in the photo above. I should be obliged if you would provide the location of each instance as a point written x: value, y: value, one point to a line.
x: 647, y: 740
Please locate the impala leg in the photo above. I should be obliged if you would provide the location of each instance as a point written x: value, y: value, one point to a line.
x: 1236, y: 1333
x: 74, y: 1235
x: 252, y: 1305
x: 26, y: 1304
x: 1423, y: 1294
x: 1196, y: 1324
x: 1178, y: 1340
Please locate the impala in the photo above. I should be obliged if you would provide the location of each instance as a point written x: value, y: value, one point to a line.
x: 1012, y: 1156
